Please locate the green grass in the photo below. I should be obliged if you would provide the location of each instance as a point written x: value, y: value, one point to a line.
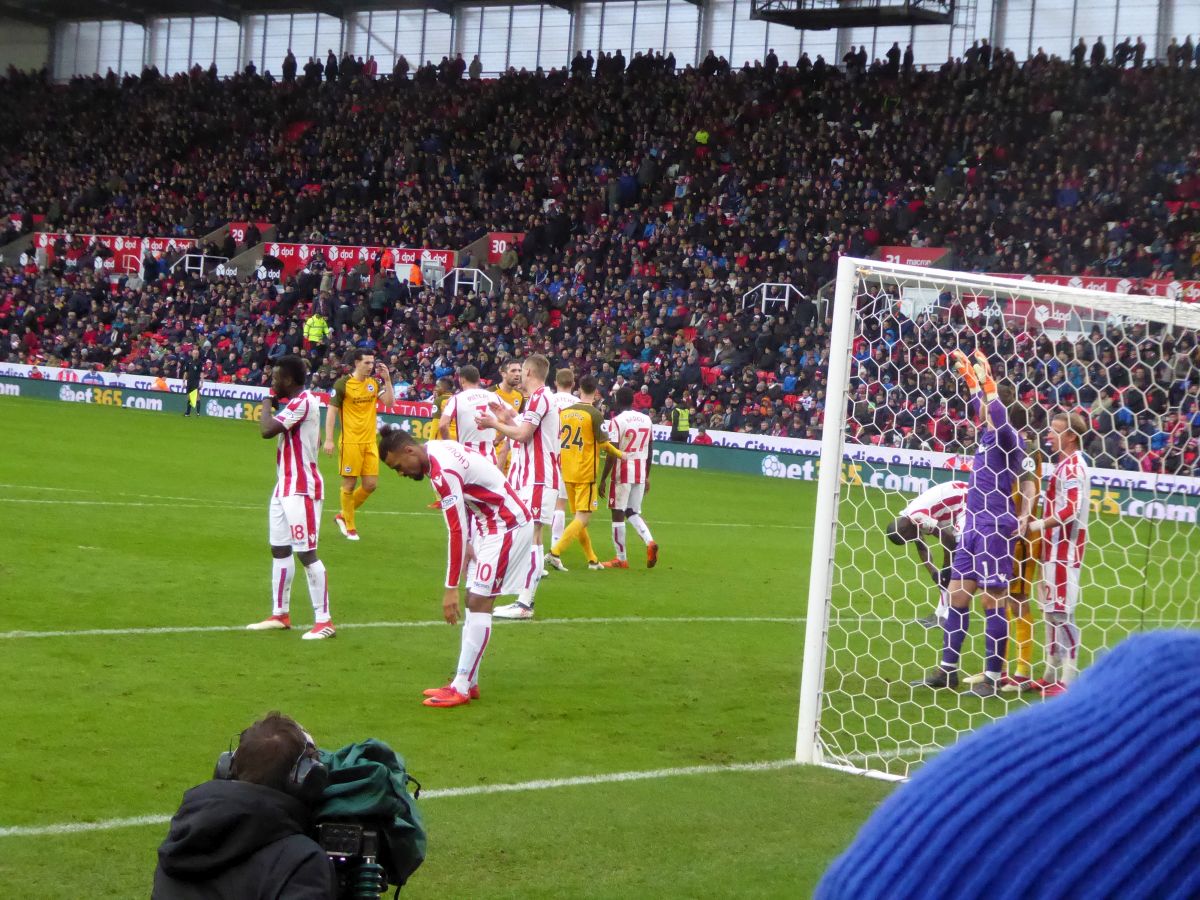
x: 100, y: 727
x: 119, y: 519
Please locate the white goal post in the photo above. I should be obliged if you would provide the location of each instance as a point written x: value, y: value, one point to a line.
x: 863, y: 643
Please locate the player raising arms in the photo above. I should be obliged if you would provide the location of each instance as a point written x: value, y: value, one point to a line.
x: 581, y: 430
x: 482, y: 509
x: 534, y: 472
x: 563, y: 399
x: 355, y: 398
x: 633, y: 434
x: 937, y: 511
x: 295, y: 513
x: 983, y: 559
x: 509, y: 390
x: 460, y: 411
x: 1064, y: 531
x: 1026, y: 553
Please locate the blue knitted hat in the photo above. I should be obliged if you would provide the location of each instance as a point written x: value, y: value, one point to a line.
x: 1093, y: 794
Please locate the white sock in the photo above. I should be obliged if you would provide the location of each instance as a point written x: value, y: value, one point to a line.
x: 282, y: 573
x: 477, y: 630
x: 1053, y: 652
x: 943, y: 605
x: 640, y: 526
x: 1069, y: 641
x: 557, y: 526
x: 318, y: 591
x: 525, y: 596
x: 619, y: 539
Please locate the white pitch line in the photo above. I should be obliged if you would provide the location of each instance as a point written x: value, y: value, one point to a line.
x: 420, y: 623
x: 544, y: 784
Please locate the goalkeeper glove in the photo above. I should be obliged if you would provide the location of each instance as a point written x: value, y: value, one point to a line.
x: 943, y: 578
x: 983, y: 372
x: 964, y: 368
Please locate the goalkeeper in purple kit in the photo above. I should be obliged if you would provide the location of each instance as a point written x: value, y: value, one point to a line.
x: 983, y: 561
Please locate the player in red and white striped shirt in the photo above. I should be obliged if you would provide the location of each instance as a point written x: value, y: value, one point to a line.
x: 562, y: 398
x: 534, y: 472
x: 1067, y: 504
x: 295, y: 516
x: 632, y: 433
x: 463, y: 409
x: 936, y: 511
x: 488, y: 523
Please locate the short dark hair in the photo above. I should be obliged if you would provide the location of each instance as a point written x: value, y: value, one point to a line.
x: 446, y: 384
x: 587, y: 384
x: 294, y: 367
x: 469, y: 374
x: 360, y: 353
x: 624, y: 397
x: 268, y: 750
x: 511, y: 362
x: 393, y: 437
x: 902, y: 530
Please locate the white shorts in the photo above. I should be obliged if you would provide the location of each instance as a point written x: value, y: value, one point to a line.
x: 295, y: 522
x: 502, y: 564
x: 1059, y: 590
x: 540, y: 498
x: 626, y: 496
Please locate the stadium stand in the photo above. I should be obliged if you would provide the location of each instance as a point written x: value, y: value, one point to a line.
x: 650, y: 201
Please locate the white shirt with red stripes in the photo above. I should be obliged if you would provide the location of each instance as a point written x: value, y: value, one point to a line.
x: 1067, y: 499
x: 937, y: 507
x: 536, y: 461
x: 462, y: 409
x: 296, y: 451
x: 633, y: 434
x: 563, y: 400
x: 473, y: 495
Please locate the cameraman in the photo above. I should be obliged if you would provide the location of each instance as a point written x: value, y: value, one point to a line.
x: 245, y: 834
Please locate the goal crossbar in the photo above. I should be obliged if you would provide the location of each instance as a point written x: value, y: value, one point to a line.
x: 1153, y: 309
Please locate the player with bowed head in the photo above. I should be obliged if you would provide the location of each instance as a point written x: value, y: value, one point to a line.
x: 534, y: 472
x: 486, y: 520
x: 355, y: 399
x: 983, y: 560
x: 937, y: 511
x: 1064, y: 532
x: 295, y: 512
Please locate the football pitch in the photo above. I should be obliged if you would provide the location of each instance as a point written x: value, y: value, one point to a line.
x: 135, y: 552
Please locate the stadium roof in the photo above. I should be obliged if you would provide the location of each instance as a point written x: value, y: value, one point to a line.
x: 48, y: 12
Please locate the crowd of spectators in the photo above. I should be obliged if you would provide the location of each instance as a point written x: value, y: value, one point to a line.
x: 651, y: 200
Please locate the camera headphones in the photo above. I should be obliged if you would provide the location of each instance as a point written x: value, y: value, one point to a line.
x: 306, y: 780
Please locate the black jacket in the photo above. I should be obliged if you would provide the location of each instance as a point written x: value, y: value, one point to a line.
x: 241, y: 841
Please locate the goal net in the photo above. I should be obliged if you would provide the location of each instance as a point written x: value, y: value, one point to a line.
x: 901, y: 419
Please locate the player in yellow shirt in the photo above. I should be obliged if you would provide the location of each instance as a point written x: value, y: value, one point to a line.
x: 354, y: 401
x: 1027, y: 550
x: 442, y: 392
x: 508, y: 390
x: 581, y: 438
